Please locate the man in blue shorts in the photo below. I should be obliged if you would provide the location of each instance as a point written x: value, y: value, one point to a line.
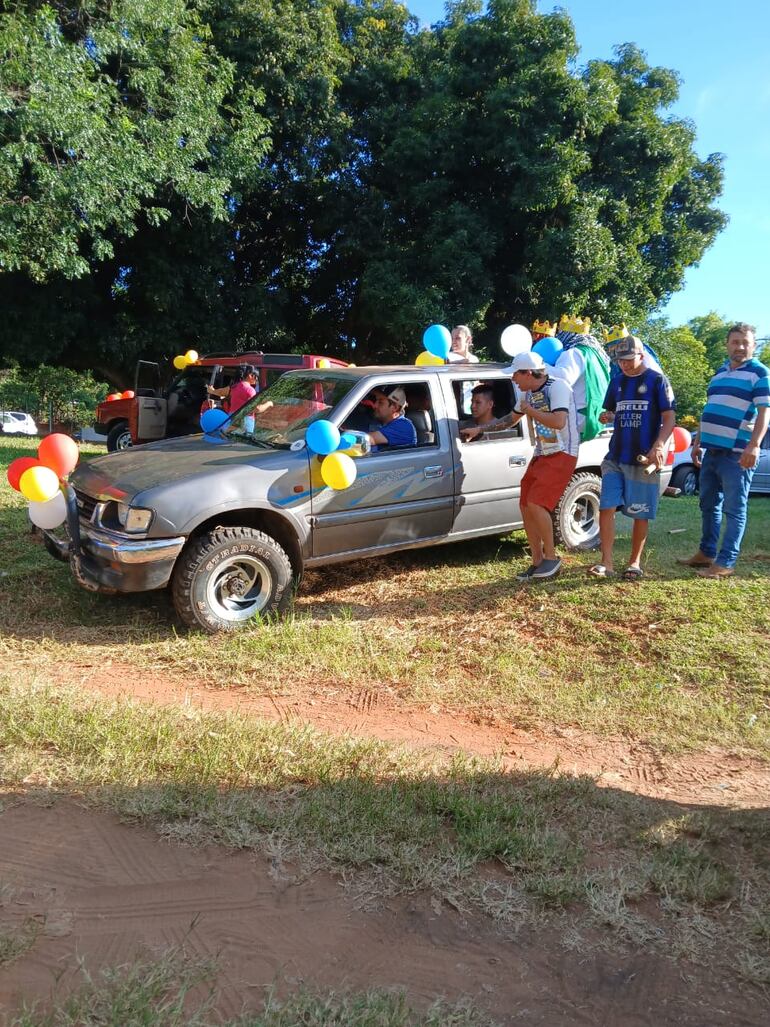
x: 640, y: 403
x: 396, y: 431
x: 732, y: 426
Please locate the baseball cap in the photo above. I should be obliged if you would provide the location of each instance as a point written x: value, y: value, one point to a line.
x: 625, y: 348
x: 529, y: 361
x: 395, y: 394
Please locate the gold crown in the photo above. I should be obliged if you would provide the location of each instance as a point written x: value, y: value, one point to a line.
x: 572, y: 323
x: 616, y: 332
x: 544, y: 328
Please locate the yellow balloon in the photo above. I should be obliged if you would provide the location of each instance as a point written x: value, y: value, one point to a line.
x: 180, y: 363
x: 323, y: 362
x: 39, y: 484
x: 426, y: 359
x: 191, y: 356
x: 337, y: 470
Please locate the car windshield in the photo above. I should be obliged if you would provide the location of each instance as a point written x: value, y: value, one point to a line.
x: 281, y: 414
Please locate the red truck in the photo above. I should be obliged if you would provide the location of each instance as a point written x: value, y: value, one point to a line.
x: 157, y: 413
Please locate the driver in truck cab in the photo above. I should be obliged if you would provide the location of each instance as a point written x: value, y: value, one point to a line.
x: 396, y: 431
x: 241, y: 391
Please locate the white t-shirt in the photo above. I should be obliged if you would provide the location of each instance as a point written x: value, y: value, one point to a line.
x: 554, y: 395
x: 458, y: 358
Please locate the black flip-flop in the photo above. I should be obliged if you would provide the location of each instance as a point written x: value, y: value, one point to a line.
x: 633, y: 574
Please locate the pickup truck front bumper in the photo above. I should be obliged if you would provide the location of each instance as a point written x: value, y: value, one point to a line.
x: 109, y: 562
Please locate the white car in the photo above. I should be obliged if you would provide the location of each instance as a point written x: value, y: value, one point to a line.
x: 17, y: 423
x: 686, y: 475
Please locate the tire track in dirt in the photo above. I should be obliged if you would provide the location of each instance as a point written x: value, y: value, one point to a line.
x: 92, y: 907
x: 711, y: 777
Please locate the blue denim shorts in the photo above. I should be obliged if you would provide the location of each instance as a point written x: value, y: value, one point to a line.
x: 630, y: 489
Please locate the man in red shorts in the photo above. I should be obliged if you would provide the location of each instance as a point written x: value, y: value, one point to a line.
x: 550, y: 405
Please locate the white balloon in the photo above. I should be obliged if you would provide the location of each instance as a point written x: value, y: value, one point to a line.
x: 50, y: 514
x: 516, y: 339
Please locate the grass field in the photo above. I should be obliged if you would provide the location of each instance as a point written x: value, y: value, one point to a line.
x: 517, y: 846
x: 673, y: 659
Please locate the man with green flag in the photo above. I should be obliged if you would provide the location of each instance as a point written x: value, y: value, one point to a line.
x: 584, y: 366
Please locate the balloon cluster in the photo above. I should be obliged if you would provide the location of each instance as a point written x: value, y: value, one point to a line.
x: 517, y: 339
x: 128, y: 394
x: 39, y: 480
x: 437, y: 341
x: 185, y: 359
x: 338, y: 470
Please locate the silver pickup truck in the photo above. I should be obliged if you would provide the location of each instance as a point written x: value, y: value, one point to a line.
x: 229, y: 521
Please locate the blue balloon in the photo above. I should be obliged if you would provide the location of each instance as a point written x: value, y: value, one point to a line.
x: 347, y: 440
x: 549, y: 349
x: 437, y: 340
x: 322, y: 437
x: 212, y: 420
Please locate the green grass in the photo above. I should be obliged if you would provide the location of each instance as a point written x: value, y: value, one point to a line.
x: 674, y: 659
x: 163, y: 993
x: 517, y: 846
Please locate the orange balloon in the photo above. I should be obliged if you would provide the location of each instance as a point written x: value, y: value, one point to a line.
x: 113, y: 396
x: 59, y: 452
x: 128, y: 394
x: 17, y: 467
x: 682, y: 439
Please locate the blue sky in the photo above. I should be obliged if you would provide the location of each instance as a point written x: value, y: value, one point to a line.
x: 720, y: 51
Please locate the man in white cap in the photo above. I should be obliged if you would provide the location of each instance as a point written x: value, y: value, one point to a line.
x: 396, y: 431
x: 550, y: 404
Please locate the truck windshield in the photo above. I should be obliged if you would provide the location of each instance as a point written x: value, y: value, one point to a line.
x: 281, y: 414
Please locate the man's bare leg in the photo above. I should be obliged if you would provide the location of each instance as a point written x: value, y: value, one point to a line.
x: 542, y: 525
x: 638, y: 538
x: 533, y: 536
x: 607, y: 535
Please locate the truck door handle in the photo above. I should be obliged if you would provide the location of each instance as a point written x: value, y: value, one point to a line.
x: 517, y: 461
x: 436, y: 471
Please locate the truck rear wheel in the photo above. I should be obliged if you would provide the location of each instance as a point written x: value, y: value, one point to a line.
x: 119, y: 437
x: 576, y: 518
x: 228, y: 577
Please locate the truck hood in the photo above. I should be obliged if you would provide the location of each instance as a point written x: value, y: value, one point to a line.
x: 188, y: 480
x: 124, y: 474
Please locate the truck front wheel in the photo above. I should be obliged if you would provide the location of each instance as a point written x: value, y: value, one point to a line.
x: 576, y: 518
x: 229, y: 576
x: 119, y: 437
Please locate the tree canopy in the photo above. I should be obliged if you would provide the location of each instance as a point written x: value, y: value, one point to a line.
x: 321, y: 173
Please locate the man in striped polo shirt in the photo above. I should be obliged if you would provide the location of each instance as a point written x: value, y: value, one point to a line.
x: 733, y: 424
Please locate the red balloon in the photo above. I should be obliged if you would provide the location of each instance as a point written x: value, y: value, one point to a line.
x: 113, y: 396
x: 128, y: 394
x: 17, y: 467
x: 682, y: 439
x: 59, y: 452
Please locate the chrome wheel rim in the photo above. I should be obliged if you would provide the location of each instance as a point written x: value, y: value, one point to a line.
x: 239, y: 587
x: 124, y: 441
x: 584, y: 517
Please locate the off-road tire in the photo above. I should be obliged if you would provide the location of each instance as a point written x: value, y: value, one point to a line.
x: 221, y: 559
x: 576, y: 518
x: 686, y: 479
x: 119, y: 437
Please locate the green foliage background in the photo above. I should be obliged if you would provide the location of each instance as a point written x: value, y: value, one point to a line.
x: 317, y: 173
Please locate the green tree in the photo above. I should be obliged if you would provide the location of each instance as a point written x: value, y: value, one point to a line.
x: 70, y: 395
x: 711, y: 330
x: 313, y: 173
x: 683, y: 358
